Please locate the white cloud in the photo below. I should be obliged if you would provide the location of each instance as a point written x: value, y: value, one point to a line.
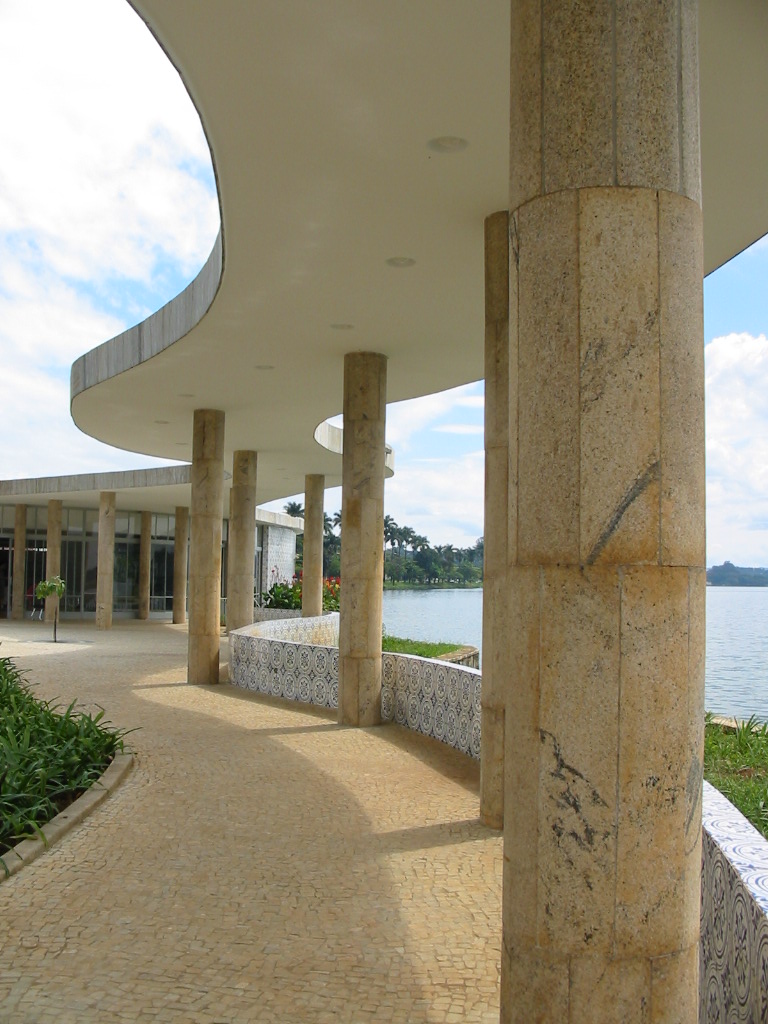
x: 39, y: 437
x: 459, y: 428
x: 106, y: 210
x: 407, y: 419
x: 439, y: 498
x: 737, y: 449
x: 99, y: 142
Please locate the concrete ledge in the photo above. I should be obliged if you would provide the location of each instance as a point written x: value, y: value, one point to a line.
x: 30, y: 849
x: 467, y: 656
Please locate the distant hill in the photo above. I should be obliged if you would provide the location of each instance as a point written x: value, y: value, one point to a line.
x: 730, y: 575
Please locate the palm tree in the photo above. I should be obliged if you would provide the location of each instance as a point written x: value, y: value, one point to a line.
x: 447, y: 554
x: 391, y: 530
x: 406, y: 538
x: 294, y: 508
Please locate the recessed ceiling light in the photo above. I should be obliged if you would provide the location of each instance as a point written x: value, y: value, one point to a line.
x: 263, y: 366
x: 447, y: 144
x: 400, y: 261
x: 182, y: 444
x: 162, y: 423
x: 342, y: 327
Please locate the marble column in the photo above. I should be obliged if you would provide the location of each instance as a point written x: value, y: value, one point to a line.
x: 496, y: 668
x: 362, y: 538
x: 105, y: 570
x: 314, y: 529
x: 241, y: 552
x: 205, y: 546
x: 604, y: 709
x: 53, y: 555
x: 19, y: 561
x: 145, y: 563
x: 180, y: 534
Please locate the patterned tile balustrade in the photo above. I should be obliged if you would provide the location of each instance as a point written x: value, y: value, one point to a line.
x: 299, y: 660
x: 734, y: 916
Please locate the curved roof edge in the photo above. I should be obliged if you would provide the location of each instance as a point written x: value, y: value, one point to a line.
x: 331, y: 438
x: 155, y: 334
x: 155, y: 489
x: 156, y: 476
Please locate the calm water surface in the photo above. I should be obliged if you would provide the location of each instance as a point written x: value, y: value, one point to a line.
x: 737, y: 637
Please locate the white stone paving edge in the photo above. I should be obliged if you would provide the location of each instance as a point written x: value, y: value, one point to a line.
x: 30, y: 849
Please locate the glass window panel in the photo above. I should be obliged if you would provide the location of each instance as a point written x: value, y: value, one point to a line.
x: 91, y: 521
x: 72, y: 571
x: 121, y: 524
x: 74, y: 520
x: 91, y: 569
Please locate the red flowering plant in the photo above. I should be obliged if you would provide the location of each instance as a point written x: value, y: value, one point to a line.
x: 283, y: 593
x: 331, y: 591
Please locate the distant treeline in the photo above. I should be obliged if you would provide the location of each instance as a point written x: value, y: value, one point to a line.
x: 730, y: 575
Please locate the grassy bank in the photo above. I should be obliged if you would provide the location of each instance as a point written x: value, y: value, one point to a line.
x: 455, y: 585
x: 736, y: 763
x: 421, y: 648
x: 47, y: 757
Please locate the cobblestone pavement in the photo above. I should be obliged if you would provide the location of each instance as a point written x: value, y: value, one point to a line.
x: 259, y: 863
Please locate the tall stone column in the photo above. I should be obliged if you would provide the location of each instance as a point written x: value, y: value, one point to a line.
x: 145, y: 563
x: 180, y: 533
x: 604, y: 711
x: 314, y: 529
x: 362, y: 538
x: 496, y: 667
x: 19, y: 561
x: 205, y: 546
x: 241, y: 551
x: 105, y: 570
x: 53, y: 554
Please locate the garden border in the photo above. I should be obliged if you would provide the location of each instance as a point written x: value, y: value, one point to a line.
x: 29, y: 850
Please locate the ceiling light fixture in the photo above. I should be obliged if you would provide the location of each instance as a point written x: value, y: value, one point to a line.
x: 263, y: 366
x: 400, y: 261
x: 447, y: 144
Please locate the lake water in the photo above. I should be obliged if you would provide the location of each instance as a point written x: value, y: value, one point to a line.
x: 737, y: 637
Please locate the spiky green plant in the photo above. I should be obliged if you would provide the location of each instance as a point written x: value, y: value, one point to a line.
x: 48, y: 757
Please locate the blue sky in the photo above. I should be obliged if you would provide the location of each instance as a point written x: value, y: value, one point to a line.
x: 108, y: 209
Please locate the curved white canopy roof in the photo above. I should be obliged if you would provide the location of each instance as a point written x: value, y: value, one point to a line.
x: 321, y: 117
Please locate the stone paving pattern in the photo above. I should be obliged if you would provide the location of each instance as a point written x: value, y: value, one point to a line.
x: 259, y: 863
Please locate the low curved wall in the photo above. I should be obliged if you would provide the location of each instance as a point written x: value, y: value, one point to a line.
x: 733, y: 982
x: 298, y: 659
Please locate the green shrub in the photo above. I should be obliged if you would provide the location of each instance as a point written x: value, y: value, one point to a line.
x: 47, y: 757
x: 736, y: 763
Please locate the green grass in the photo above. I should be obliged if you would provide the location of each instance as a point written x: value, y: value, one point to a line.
x: 47, y: 757
x: 402, y: 645
x: 736, y: 763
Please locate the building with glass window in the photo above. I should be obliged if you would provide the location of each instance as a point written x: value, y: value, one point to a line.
x: 54, y: 521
